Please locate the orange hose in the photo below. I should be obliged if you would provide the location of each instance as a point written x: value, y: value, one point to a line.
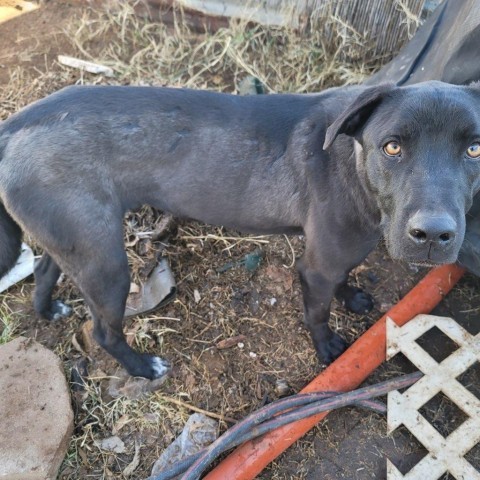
x: 346, y: 373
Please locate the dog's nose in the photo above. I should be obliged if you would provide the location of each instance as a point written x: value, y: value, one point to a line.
x: 439, y: 229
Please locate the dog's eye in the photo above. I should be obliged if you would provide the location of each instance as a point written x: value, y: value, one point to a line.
x: 392, y: 149
x: 473, y: 151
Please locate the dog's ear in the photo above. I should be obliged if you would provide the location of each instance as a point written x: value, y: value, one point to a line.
x: 357, y: 112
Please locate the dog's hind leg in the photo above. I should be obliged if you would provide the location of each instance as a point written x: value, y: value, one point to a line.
x: 46, y: 275
x: 79, y: 223
x: 105, y: 283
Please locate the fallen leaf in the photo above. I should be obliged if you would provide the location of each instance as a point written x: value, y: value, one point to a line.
x: 111, y: 444
x: 280, y: 275
x: 83, y: 456
x: 230, y: 342
x: 87, y: 335
x: 189, y: 381
x: 120, y: 423
x: 133, y: 388
x: 164, y: 227
x: 77, y: 346
x: 130, y: 468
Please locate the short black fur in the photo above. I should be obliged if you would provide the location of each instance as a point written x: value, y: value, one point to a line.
x: 73, y: 163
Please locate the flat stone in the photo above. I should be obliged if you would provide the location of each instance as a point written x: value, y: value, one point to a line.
x: 36, y: 414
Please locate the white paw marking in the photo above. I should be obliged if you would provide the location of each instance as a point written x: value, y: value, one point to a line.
x: 65, y: 310
x: 160, y: 367
x: 61, y: 310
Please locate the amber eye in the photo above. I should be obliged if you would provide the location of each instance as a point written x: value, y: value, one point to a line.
x: 392, y: 149
x: 473, y: 151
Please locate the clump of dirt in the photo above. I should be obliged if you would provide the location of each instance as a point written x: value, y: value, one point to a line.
x: 262, y: 307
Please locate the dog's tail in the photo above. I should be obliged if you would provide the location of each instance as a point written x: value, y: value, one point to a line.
x: 10, y: 241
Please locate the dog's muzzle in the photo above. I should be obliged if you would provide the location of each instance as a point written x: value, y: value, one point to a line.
x: 432, y: 237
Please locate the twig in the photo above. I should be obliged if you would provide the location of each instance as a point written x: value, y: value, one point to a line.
x: 210, y: 236
x: 199, y: 410
x: 293, y: 253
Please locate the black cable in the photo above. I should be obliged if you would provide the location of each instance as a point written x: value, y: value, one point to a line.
x: 182, y: 465
x: 284, y: 411
x: 341, y: 400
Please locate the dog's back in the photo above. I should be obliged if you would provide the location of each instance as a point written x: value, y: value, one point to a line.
x: 179, y: 150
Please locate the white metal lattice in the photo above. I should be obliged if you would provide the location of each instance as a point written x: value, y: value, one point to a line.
x: 445, y: 454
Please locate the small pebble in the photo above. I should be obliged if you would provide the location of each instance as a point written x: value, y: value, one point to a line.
x: 196, y: 296
x: 372, y: 277
x: 385, y: 307
x: 240, y: 345
x: 253, y: 355
x: 281, y: 387
x: 273, y: 301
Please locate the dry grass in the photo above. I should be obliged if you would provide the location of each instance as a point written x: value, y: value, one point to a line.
x: 230, y: 382
x: 282, y: 58
x: 9, y: 322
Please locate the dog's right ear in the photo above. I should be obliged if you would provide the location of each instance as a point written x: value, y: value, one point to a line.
x: 357, y: 112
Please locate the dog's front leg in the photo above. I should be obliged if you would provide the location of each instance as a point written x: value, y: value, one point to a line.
x: 354, y: 298
x: 323, y: 270
x: 318, y: 292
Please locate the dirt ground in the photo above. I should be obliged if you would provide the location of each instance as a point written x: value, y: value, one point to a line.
x: 264, y: 306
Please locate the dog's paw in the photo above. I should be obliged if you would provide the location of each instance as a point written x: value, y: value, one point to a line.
x: 357, y: 301
x: 149, y: 366
x: 58, y: 311
x: 160, y: 367
x: 329, y: 350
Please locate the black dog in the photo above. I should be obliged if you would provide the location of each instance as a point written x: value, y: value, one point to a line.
x: 406, y: 168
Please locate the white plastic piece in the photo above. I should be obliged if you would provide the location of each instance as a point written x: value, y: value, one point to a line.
x: 85, y: 65
x: 199, y: 432
x: 22, y: 269
x: 158, y: 289
x: 445, y: 454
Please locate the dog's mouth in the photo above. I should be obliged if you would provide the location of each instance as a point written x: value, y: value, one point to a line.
x: 425, y: 258
x: 426, y: 263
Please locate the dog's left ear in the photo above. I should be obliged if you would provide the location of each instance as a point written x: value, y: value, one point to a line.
x: 357, y: 112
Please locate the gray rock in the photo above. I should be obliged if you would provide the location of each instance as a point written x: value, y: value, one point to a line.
x: 36, y: 414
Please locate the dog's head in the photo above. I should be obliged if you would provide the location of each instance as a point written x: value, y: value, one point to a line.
x: 417, y: 151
